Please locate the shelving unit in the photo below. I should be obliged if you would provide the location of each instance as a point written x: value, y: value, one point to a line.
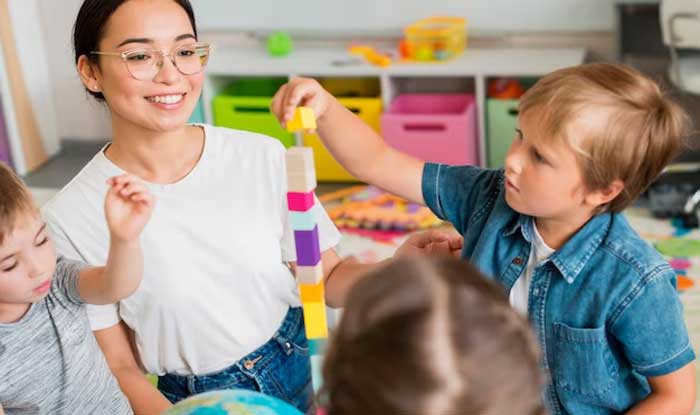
x: 467, y: 73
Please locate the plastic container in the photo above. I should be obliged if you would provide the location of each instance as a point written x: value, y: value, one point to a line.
x: 360, y: 96
x: 245, y: 105
x: 501, y: 121
x: 439, y: 128
x: 435, y: 38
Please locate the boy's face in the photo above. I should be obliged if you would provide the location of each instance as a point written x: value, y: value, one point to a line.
x: 543, y: 181
x: 27, y: 263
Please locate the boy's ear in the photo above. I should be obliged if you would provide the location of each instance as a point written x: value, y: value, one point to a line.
x: 603, y: 196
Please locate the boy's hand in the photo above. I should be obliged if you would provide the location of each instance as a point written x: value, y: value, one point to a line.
x: 300, y: 92
x: 433, y: 242
x: 128, y: 206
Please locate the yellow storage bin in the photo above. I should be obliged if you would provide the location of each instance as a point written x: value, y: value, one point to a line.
x: 359, y: 95
x: 327, y: 169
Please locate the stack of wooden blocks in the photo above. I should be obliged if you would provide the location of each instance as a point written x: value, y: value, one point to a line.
x: 301, y: 183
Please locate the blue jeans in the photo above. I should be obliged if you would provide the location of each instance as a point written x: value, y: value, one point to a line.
x: 279, y: 368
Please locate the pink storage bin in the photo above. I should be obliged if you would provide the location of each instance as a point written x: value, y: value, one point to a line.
x: 440, y: 128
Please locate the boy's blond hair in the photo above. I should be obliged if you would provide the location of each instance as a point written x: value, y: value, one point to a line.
x: 642, y: 132
x: 15, y: 201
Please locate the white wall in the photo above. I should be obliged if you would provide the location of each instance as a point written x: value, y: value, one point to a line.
x: 79, y: 116
x: 351, y: 15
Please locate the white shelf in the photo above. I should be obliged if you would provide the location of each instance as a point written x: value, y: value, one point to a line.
x: 477, y: 65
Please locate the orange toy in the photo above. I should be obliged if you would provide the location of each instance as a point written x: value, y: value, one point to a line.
x: 684, y: 282
x: 371, y: 55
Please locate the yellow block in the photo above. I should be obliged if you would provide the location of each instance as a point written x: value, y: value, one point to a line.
x: 304, y: 119
x: 311, y: 293
x: 315, y: 320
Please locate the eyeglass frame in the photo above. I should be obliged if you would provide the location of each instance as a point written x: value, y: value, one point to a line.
x: 170, y: 54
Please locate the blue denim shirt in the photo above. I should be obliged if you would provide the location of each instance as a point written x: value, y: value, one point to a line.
x: 604, y: 306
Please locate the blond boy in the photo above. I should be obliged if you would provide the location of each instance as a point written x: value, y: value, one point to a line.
x: 548, y: 227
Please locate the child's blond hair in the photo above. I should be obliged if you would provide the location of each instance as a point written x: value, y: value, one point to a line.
x: 15, y: 201
x: 642, y: 132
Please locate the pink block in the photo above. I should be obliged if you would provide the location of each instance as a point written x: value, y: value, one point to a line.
x: 433, y: 127
x: 300, y: 202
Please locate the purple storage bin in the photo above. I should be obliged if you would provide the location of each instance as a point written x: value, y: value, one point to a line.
x: 440, y: 128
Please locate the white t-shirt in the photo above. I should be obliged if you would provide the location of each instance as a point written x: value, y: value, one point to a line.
x: 215, y: 284
x: 539, y: 251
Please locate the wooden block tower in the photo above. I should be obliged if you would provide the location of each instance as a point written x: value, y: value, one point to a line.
x: 301, y: 180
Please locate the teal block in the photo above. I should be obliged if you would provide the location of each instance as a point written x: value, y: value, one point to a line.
x: 304, y: 221
x: 316, y: 376
x: 317, y: 347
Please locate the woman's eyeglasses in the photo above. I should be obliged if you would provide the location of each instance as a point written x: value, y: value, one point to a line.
x: 144, y: 64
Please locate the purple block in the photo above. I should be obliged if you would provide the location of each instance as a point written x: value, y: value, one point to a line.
x: 306, y: 243
x: 4, y: 140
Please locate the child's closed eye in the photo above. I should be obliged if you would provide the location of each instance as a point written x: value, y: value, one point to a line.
x: 8, y: 268
x: 537, y: 156
x: 44, y: 240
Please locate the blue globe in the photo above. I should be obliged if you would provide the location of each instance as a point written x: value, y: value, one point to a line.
x: 232, y: 402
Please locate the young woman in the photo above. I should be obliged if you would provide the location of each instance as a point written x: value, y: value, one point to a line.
x: 218, y: 306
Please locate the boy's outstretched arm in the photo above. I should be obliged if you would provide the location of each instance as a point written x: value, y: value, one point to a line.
x: 354, y: 144
x: 128, y: 206
x: 670, y: 394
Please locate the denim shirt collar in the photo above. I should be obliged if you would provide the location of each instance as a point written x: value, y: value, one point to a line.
x: 573, y: 256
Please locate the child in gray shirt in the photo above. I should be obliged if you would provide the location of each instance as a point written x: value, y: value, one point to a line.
x: 50, y: 362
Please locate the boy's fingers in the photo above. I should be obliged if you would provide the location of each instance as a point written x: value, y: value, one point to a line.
x: 276, y: 105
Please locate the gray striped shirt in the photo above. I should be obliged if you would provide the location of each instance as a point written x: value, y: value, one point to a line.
x: 50, y: 362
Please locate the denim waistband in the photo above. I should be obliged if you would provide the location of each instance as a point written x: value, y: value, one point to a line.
x: 257, y: 360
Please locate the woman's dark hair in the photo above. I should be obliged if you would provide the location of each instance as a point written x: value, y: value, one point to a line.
x: 88, y: 29
x: 431, y: 336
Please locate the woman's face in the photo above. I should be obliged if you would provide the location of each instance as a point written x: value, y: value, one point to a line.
x: 165, y: 102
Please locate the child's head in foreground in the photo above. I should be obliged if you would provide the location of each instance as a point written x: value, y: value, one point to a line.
x: 590, y: 139
x: 27, y: 257
x: 431, y: 336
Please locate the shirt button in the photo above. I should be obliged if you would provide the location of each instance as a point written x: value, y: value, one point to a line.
x: 517, y: 260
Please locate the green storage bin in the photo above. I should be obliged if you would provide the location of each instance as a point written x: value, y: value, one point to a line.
x: 245, y: 105
x: 501, y: 121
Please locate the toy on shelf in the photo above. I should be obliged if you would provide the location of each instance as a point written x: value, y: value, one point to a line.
x: 301, y: 182
x: 434, y: 39
x: 279, y: 44
x: 505, y: 88
x: 367, y: 207
x: 371, y: 55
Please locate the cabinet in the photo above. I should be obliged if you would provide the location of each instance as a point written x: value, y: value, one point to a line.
x: 465, y: 74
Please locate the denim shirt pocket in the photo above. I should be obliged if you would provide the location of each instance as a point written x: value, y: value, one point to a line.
x: 585, y: 366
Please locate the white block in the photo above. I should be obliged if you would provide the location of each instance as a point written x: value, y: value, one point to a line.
x: 300, y: 159
x: 302, y: 183
x: 309, y: 274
